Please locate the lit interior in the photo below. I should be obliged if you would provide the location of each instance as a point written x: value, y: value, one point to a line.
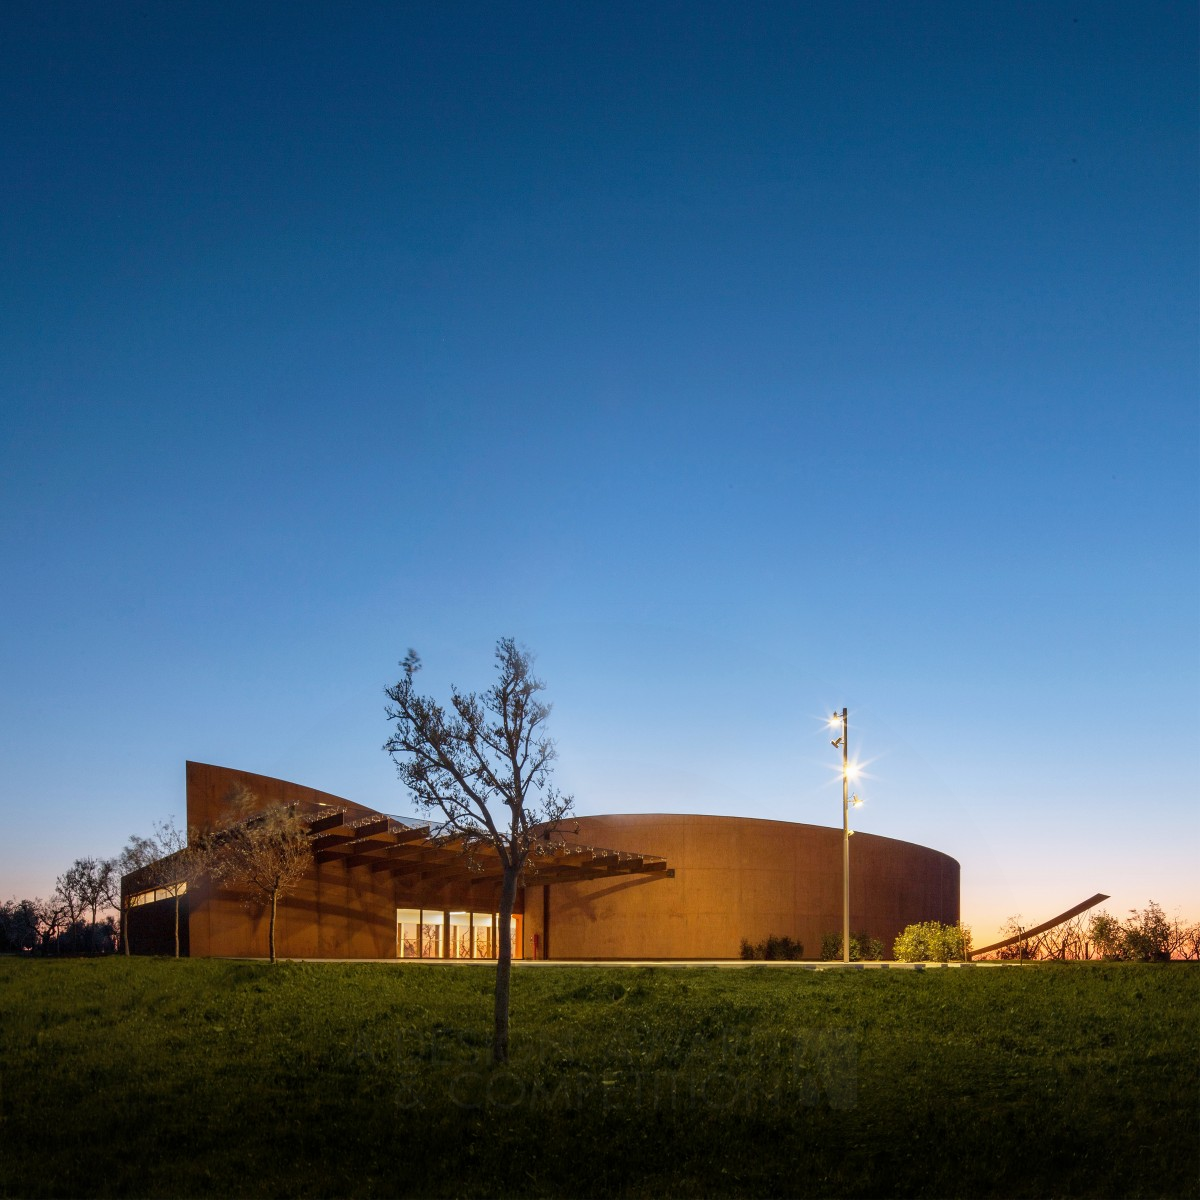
x: 440, y: 933
x: 160, y: 893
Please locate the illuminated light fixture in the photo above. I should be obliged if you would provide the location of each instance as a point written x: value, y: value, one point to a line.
x: 848, y: 770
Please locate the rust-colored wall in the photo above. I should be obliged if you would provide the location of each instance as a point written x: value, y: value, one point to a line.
x: 735, y: 878
x: 336, y: 912
x: 210, y: 788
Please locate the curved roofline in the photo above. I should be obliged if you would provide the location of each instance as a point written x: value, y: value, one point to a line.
x: 879, y: 837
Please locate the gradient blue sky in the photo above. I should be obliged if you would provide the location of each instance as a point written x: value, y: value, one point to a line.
x: 742, y: 360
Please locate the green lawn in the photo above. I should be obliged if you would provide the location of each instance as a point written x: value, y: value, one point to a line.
x: 164, y: 1078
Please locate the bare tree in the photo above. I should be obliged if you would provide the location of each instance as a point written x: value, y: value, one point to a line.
x: 138, y: 853
x: 1066, y: 940
x: 82, y: 888
x: 265, y: 852
x: 49, y: 921
x: 1189, y: 942
x: 487, y: 754
x: 1015, y: 927
x: 177, y: 862
x: 168, y: 861
x: 68, y: 899
x: 91, y: 874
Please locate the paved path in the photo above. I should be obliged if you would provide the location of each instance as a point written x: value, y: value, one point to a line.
x: 672, y: 963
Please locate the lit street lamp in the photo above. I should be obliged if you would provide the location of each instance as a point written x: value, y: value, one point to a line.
x: 847, y: 800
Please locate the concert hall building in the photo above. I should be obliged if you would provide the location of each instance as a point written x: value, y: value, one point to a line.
x: 636, y: 886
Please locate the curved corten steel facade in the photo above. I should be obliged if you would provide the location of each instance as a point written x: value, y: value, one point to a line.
x: 735, y: 878
x: 671, y: 887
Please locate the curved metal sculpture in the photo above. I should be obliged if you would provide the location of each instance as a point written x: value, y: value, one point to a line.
x: 1028, y: 933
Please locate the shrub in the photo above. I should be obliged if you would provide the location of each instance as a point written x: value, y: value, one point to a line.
x: 1145, y: 936
x: 776, y: 948
x: 1108, y: 937
x: 862, y: 946
x: 931, y: 941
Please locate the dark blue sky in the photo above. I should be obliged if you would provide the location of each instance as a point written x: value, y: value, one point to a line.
x: 742, y: 360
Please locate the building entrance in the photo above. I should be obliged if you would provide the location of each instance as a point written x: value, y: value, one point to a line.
x: 443, y: 933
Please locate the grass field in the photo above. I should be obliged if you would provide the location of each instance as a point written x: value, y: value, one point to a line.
x: 164, y: 1078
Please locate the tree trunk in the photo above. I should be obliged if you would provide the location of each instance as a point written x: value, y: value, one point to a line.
x: 271, y: 935
x: 176, y: 920
x: 125, y: 929
x: 508, y: 895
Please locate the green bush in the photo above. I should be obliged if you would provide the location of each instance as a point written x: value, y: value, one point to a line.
x: 775, y: 948
x: 1145, y: 936
x: 931, y: 941
x: 862, y: 946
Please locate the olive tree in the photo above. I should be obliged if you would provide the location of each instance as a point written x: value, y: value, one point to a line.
x: 265, y: 852
x: 483, y: 768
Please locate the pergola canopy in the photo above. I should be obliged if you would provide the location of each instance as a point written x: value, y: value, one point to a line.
x: 381, y: 843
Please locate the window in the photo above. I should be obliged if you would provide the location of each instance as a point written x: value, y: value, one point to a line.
x: 160, y: 893
x: 408, y: 933
x: 481, y: 936
x: 431, y: 933
x: 460, y: 935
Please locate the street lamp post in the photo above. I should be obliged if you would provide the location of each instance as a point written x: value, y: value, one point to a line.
x: 844, y: 743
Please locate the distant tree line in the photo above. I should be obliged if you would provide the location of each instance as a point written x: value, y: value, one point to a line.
x: 84, y: 913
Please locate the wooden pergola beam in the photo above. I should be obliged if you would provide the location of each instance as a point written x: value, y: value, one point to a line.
x: 372, y: 826
x: 332, y: 821
x: 328, y: 842
x: 585, y: 874
x: 349, y: 843
x: 433, y: 872
x: 382, y: 846
x: 350, y: 848
x: 414, y: 833
x: 408, y: 858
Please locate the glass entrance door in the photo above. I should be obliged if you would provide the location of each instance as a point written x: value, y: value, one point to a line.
x: 435, y: 933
